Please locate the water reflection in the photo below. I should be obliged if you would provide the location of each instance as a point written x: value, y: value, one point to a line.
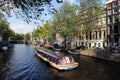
x: 21, y: 63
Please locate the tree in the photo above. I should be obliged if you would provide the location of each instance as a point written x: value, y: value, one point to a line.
x: 4, y: 30
x: 27, y: 36
x: 16, y: 36
x: 44, y: 32
x: 64, y: 20
x: 28, y: 9
x: 2, y: 17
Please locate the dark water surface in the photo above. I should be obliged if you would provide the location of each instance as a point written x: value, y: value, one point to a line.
x: 21, y: 63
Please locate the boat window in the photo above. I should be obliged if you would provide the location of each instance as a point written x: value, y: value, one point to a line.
x: 67, y: 59
x: 71, y: 59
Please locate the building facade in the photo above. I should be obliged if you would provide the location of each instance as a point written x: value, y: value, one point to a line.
x: 97, y: 36
x: 113, y: 22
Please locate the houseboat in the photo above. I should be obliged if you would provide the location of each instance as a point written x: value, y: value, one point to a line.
x: 57, y: 59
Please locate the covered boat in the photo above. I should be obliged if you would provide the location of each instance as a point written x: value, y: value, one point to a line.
x: 57, y: 60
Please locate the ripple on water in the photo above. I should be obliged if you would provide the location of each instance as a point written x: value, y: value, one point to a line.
x: 25, y: 65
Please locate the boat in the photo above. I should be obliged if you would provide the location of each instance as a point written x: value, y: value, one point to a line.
x: 48, y: 46
x: 57, y: 60
x: 72, y: 51
x: 56, y: 47
x: 4, y: 48
x: 4, y: 45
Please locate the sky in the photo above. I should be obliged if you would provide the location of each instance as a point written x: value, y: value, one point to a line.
x: 20, y: 26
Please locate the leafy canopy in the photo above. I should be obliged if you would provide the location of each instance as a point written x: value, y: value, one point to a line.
x: 28, y: 9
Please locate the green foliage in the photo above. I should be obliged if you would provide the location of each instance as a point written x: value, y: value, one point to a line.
x: 64, y: 20
x: 67, y: 23
x: 16, y: 36
x: 44, y: 32
x: 86, y: 4
x: 5, y: 32
x: 27, y: 36
x: 28, y: 9
x: 1, y: 16
x: 3, y: 27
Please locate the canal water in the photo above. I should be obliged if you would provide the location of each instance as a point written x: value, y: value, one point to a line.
x: 21, y: 63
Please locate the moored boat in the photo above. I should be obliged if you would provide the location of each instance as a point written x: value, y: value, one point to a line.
x: 4, y: 48
x: 73, y: 51
x: 4, y: 45
x: 56, y: 47
x: 57, y: 60
x: 48, y: 46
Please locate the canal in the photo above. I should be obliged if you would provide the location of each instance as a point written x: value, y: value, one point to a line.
x: 21, y: 63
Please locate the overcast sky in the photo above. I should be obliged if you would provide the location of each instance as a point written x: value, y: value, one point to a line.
x: 20, y: 26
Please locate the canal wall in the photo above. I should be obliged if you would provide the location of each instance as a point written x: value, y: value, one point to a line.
x: 102, y: 54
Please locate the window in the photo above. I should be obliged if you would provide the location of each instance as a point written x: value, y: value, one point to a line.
x: 99, y: 45
x: 82, y: 43
x: 99, y: 34
x: 119, y: 17
x: 113, y: 19
x: 103, y: 44
x: 96, y: 35
x: 116, y: 29
x: 90, y: 37
x: 109, y: 12
x: 109, y: 6
x: 104, y: 20
x: 116, y: 39
x: 104, y: 34
x: 86, y: 36
x: 109, y: 19
x: 114, y: 4
x: 95, y: 44
x: 115, y: 11
x: 116, y: 19
x: 111, y: 30
x: 93, y: 37
x: 118, y: 2
x: 89, y: 44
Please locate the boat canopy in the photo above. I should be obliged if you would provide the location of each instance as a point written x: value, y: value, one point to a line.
x: 50, y: 54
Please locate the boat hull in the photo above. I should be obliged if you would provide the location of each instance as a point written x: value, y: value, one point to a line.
x: 4, y: 48
x: 56, y: 49
x: 65, y: 67
x: 70, y: 52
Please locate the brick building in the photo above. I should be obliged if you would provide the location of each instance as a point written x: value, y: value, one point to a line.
x: 113, y: 22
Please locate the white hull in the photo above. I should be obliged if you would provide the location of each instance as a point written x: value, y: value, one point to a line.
x: 72, y: 52
x: 59, y: 66
x: 4, y: 48
x: 56, y: 49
